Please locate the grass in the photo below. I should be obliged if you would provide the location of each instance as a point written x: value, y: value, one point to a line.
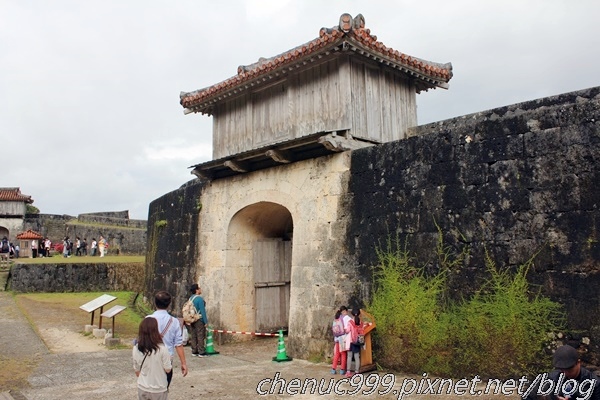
x: 63, y: 308
x: 59, y: 259
x: 122, y: 227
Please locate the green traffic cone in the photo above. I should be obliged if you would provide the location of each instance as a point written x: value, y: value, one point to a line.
x: 281, y: 354
x: 210, y: 349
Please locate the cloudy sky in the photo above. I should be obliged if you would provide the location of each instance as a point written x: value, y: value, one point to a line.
x: 89, y: 89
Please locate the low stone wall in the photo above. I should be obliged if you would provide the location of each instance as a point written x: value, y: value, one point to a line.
x: 100, y: 220
x: 76, y: 277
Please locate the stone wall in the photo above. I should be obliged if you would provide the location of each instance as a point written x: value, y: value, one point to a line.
x: 515, y: 180
x: 76, y: 277
x: 209, y: 229
x: 173, y: 243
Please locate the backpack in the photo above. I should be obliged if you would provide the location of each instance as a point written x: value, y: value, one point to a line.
x: 337, y: 327
x: 360, y: 334
x: 4, y: 246
x: 189, y: 312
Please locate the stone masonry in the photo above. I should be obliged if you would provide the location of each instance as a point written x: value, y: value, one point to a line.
x: 516, y: 180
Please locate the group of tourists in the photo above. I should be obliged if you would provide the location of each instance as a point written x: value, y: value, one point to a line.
x: 160, y: 337
x: 80, y: 247
x: 348, y: 339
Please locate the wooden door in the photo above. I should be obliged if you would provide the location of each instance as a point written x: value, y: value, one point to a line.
x: 272, y: 259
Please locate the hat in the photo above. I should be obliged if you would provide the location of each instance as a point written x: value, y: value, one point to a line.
x: 565, y: 357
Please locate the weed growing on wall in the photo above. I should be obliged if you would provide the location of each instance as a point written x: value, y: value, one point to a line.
x: 502, y: 328
x: 411, y: 326
x: 500, y: 331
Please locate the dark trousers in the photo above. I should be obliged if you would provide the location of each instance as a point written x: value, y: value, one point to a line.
x: 197, y: 337
x: 169, y: 377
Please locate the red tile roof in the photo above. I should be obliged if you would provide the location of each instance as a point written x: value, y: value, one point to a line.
x: 29, y: 234
x: 14, y: 194
x: 350, y: 34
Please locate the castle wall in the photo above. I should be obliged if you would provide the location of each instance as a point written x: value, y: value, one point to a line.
x: 514, y: 180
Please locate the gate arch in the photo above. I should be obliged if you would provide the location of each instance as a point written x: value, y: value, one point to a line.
x: 259, y: 249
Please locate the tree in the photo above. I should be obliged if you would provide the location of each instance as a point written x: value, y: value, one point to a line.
x: 31, y: 209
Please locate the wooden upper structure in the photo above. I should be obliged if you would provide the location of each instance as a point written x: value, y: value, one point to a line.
x: 340, y: 91
x: 13, y: 202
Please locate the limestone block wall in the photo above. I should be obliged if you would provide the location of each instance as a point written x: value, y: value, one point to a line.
x: 314, y: 194
x: 56, y: 277
x: 173, y: 247
x: 516, y: 180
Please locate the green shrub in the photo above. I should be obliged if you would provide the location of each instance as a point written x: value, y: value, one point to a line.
x: 500, y: 331
x: 410, y: 324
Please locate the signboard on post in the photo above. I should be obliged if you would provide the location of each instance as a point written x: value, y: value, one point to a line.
x: 97, y: 303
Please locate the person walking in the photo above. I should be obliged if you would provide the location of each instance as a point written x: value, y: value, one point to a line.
x: 94, y: 246
x: 151, y: 362
x: 77, y: 246
x: 65, y: 251
x: 101, y: 245
x: 198, y: 328
x: 170, y: 330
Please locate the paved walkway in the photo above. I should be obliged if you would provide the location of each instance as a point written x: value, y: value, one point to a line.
x: 235, y: 373
x: 108, y: 374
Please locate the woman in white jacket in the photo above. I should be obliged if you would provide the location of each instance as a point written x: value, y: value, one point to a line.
x: 151, y: 362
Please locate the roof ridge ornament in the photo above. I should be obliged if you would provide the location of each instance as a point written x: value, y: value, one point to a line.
x: 347, y: 23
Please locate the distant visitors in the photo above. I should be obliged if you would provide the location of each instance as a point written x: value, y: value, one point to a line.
x: 34, y: 248
x: 84, y: 247
x: 77, y: 246
x: 47, y: 247
x: 65, y: 251
x: 5, y: 248
x: 198, y: 328
x: 151, y: 362
x: 170, y: 330
x: 101, y: 245
x: 94, y: 246
x: 17, y: 250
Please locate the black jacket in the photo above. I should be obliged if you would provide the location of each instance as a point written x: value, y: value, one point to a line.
x: 589, y: 390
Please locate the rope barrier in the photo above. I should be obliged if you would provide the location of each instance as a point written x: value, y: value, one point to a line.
x: 244, y: 333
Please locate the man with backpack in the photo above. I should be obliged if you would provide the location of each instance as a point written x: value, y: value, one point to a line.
x: 198, y: 328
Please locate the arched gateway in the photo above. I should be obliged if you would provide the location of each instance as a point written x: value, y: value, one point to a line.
x: 260, y: 235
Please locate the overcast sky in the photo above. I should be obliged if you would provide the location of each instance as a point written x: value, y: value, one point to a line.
x: 90, y: 118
